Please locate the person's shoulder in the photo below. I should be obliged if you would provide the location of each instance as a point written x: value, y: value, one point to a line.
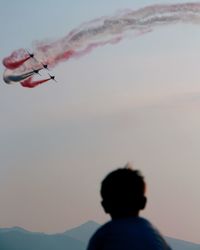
x: 153, y: 235
x: 116, y: 225
x: 147, y: 226
x: 143, y: 220
x: 103, y: 229
x: 145, y: 223
x: 98, y: 237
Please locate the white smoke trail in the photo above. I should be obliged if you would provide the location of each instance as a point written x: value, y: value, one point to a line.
x: 102, y: 31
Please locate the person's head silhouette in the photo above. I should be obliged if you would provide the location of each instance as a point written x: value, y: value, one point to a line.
x: 123, y: 196
x: 123, y: 193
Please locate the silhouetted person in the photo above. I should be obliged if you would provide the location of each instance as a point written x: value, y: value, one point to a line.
x: 123, y: 196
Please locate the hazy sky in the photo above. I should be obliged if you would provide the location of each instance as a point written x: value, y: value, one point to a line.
x: 137, y: 101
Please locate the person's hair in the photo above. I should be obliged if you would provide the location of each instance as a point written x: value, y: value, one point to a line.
x: 123, y: 192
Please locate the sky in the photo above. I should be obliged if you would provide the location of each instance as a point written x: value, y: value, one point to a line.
x: 136, y: 101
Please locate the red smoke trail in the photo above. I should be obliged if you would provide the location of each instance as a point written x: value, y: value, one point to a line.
x: 60, y: 57
x: 28, y: 83
x: 16, y: 59
x: 13, y: 65
x: 99, y: 32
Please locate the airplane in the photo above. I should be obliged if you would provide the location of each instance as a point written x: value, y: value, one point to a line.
x: 36, y: 71
x: 45, y: 66
x: 52, y: 78
x: 30, y: 54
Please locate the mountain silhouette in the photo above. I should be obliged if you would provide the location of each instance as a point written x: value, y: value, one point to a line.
x: 84, y: 231
x: 181, y: 244
x: 17, y: 238
x: 16, y: 229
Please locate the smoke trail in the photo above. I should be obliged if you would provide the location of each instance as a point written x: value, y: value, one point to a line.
x: 16, y: 78
x: 102, y: 31
x: 28, y: 83
x: 8, y: 63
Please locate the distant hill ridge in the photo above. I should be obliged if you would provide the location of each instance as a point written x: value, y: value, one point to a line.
x: 84, y: 231
x: 16, y: 238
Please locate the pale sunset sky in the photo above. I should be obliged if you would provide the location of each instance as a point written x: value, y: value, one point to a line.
x: 136, y: 101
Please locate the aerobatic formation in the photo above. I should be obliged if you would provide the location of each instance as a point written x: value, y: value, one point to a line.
x: 22, y: 66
